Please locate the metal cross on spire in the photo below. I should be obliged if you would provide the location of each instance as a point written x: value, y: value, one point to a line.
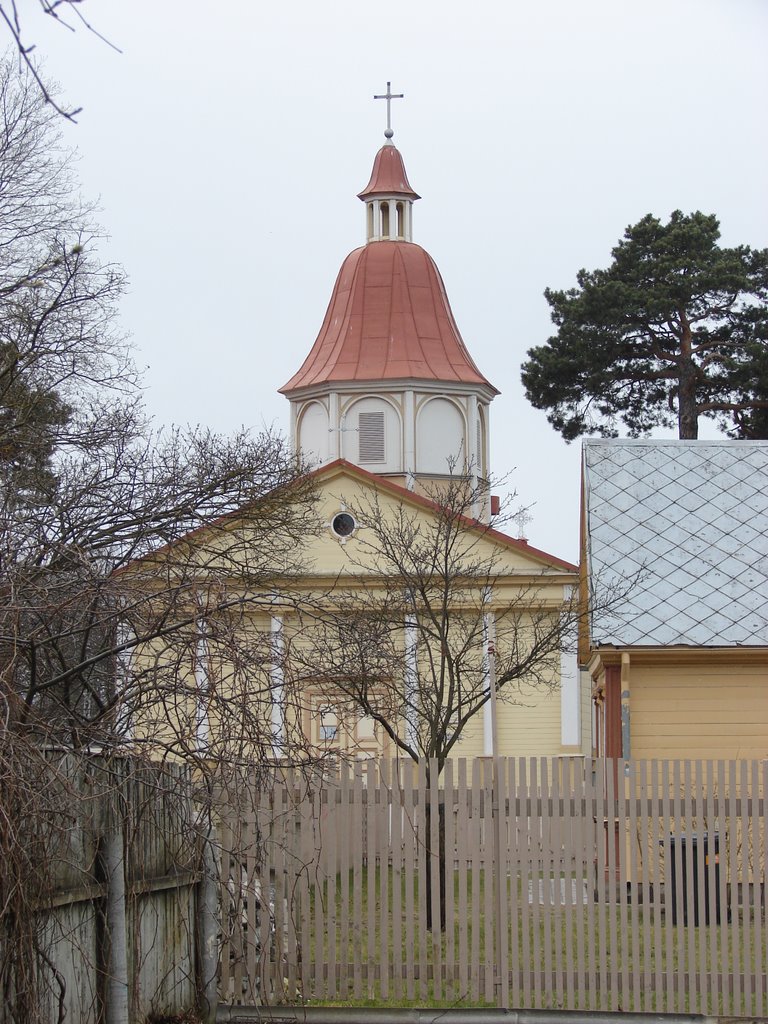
x: 389, y: 96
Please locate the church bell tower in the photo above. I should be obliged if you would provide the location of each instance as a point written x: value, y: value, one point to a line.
x: 389, y: 384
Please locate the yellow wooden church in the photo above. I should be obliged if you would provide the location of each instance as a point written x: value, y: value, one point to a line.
x: 409, y: 604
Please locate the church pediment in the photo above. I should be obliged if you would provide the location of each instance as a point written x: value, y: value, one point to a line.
x: 346, y: 545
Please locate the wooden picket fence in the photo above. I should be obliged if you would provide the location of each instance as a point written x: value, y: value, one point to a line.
x: 565, y: 883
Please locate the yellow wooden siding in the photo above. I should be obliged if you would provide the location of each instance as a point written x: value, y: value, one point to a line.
x: 533, y: 726
x: 699, y: 711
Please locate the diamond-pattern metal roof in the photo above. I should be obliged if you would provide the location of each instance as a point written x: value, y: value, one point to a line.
x: 682, y: 527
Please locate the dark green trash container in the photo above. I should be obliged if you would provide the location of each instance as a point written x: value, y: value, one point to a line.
x: 700, y: 856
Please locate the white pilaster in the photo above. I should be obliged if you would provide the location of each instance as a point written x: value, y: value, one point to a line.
x: 411, y: 680
x: 409, y: 438
x: 277, y: 684
x: 334, y: 426
x: 570, y: 711
x: 294, y: 425
x: 202, y: 732
x: 570, y: 704
x: 489, y: 636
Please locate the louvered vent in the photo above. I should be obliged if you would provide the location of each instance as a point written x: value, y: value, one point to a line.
x: 371, y: 435
x: 479, y: 447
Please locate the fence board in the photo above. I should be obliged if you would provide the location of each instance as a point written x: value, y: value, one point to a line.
x: 462, y: 910
x: 524, y: 847
x: 475, y: 857
x: 450, y: 870
x: 409, y: 840
x: 735, y: 930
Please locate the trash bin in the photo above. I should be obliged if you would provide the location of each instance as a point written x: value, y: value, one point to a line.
x: 701, y: 853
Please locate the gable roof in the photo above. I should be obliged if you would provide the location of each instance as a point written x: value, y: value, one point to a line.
x: 689, y: 519
x: 340, y: 467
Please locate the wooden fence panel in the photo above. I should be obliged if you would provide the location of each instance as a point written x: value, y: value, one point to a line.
x: 600, y: 886
x: 146, y: 811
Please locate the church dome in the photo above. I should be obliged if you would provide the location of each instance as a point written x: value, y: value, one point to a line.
x: 388, y: 319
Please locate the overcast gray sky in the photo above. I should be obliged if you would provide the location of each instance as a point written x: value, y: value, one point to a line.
x: 228, y: 141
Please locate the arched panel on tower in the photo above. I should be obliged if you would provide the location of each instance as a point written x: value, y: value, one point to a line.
x: 371, y: 435
x: 313, y: 433
x: 440, y: 438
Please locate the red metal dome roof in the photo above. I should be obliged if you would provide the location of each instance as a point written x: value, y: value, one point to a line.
x: 388, y: 176
x: 388, y: 319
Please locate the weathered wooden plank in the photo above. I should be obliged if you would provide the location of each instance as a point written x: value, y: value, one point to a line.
x: 463, y: 861
x: 474, y: 836
x: 410, y: 839
x: 356, y: 840
x: 450, y: 861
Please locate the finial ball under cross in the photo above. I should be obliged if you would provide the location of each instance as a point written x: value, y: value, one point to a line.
x: 389, y: 96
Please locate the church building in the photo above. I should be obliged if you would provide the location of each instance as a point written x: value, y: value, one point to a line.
x: 392, y: 409
x: 410, y: 601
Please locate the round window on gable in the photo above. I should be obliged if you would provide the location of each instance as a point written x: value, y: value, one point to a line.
x: 343, y: 525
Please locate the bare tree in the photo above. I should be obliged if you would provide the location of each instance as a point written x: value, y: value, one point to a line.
x: 66, y: 13
x: 132, y: 562
x: 406, y: 641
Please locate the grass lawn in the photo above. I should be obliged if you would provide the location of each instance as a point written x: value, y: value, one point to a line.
x: 369, y: 945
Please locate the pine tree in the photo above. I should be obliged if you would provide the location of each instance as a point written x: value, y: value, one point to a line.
x: 675, y: 329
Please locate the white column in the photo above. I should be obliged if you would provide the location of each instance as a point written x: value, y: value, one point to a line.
x: 473, y: 455
x: 409, y: 438
x: 411, y: 680
x: 570, y: 705
x: 202, y: 732
x: 570, y: 711
x: 334, y: 425
x: 473, y: 460
x: 489, y: 636
x: 294, y: 425
x: 123, y: 665
x: 277, y: 685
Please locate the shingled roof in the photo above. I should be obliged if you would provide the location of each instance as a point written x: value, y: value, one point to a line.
x: 688, y: 521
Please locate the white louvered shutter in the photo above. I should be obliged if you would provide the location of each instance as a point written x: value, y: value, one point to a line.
x: 371, y: 436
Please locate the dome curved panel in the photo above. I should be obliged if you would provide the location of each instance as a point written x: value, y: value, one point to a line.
x: 388, y: 319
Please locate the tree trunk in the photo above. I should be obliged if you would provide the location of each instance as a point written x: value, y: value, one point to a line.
x: 687, y: 414
x: 113, y: 852
x: 208, y: 924
x: 435, y: 873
